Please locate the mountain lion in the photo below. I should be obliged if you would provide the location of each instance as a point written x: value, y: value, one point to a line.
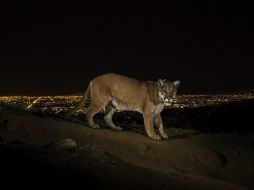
x: 124, y: 93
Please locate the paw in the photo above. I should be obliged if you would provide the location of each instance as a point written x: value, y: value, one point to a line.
x: 164, y: 136
x: 118, y: 128
x: 95, y: 126
x: 156, y: 137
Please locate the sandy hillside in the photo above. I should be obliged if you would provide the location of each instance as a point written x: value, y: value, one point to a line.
x: 194, y: 161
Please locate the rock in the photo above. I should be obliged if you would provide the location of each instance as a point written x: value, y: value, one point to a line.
x: 208, y: 161
x: 65, y: 144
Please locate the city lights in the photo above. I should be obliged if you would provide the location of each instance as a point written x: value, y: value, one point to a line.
x: 56, y: 105
x: 34, y: 102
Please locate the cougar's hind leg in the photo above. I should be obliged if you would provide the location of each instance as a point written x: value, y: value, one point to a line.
x: 108, y: 118
x: 94, y: 108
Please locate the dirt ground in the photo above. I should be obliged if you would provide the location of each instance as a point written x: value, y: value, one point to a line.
x: 31, y: 151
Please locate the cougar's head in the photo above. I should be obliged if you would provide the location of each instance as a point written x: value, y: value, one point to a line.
x: 167, y: 91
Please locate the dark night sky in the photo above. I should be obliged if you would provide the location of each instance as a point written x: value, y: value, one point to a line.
x: 56, y: 47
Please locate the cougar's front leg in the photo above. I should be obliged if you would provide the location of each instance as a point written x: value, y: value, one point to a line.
x: 158, y: 123
x: 148, y: 121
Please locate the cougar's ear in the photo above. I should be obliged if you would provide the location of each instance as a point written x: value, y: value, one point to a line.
x: 161, y: 82
x: 176, y: 83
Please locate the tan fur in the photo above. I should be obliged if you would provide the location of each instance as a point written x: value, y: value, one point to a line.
x: 126, y: 93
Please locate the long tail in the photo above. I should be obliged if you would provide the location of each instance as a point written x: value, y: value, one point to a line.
x: 81, y: 104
